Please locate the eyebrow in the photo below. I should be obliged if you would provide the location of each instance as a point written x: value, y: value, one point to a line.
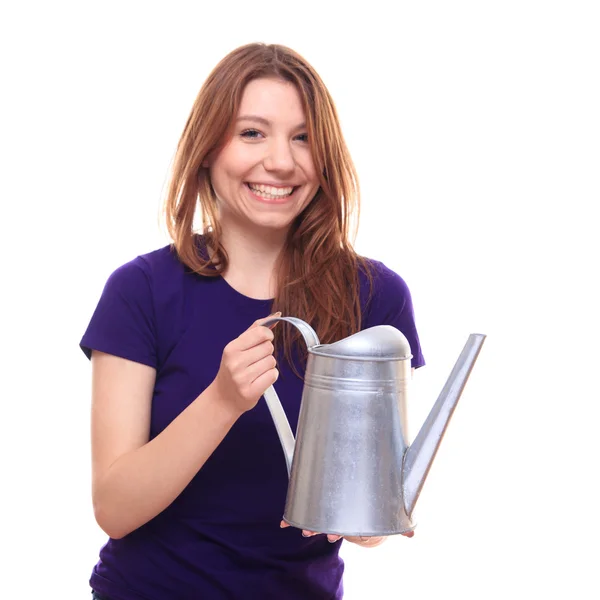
x: 264, y: 121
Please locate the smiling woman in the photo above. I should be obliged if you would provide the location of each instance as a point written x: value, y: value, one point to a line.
x: 265, y: 176
x: 264, y: 116
x: 189, y: 481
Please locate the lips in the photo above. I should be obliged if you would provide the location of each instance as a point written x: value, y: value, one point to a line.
x: 271, y: 194
x: 273, y: 190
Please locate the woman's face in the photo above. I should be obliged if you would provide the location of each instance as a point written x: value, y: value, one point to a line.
x: 265, y: 176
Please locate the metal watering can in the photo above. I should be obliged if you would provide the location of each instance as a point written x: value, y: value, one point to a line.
x: 351, y: 469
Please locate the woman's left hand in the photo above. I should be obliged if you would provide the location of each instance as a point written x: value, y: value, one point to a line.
x: 365, y: 542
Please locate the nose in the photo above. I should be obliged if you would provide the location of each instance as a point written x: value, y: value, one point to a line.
x: 279, y: 156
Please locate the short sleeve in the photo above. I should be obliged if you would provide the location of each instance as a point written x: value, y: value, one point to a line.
x: 123, y: 323
x: 391, y: 304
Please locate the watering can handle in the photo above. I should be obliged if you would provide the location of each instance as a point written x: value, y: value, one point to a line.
x: 308, y: 333
x: 282, y: 425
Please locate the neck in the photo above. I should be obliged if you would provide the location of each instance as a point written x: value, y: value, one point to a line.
x: 252, y: 260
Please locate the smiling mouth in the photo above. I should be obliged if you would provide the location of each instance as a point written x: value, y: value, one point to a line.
x: 268, y: 192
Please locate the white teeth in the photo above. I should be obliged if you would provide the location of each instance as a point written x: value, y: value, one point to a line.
x: 269, y: 190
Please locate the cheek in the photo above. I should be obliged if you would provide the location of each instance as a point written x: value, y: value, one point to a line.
x: 224, y: 175
x: 309, y: 169
x: 231, y: 161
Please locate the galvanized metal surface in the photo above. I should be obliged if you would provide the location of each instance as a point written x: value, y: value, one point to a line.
x: 351, y: 471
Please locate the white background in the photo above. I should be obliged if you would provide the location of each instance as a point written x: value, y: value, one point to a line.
x: 476, y: 132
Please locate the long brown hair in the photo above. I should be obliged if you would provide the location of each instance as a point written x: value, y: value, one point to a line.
x: 318, y: 270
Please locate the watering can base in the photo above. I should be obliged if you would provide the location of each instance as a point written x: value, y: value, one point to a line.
x: 352, y: 533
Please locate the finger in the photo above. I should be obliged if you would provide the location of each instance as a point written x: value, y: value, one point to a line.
x: 264, y: 365
x: 408, y: 534
x: 333, y: 538
x: 283, y: 524
x: 260, y: 385
x: 253, y: 337
x: 307, y: 533
x: 250, y: 357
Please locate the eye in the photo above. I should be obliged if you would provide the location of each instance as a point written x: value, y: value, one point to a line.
x: 303, y: 137
x: 250, y: 134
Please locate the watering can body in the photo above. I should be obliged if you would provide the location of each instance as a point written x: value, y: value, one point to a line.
x: 351, y: 469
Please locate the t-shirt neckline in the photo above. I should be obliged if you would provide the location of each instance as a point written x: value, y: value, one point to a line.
x: 239, y: 297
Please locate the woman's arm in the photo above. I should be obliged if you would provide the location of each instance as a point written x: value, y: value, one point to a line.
x: 134, y: 479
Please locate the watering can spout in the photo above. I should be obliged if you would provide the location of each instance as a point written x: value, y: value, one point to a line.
x: 419, y: 456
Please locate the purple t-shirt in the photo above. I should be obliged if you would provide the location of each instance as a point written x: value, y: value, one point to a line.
x: 220, y: 538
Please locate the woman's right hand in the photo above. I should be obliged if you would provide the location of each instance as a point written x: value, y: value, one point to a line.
x: 248, y: 367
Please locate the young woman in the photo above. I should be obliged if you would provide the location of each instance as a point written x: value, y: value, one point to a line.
x: 189, y: 479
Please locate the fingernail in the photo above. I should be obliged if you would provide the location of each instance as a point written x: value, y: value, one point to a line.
x: 332, y: 539
x: 304, y: 534
x: 277, y: 314
x: 364, y: 539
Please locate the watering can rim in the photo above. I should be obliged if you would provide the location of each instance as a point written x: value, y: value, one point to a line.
x: 315, y: 351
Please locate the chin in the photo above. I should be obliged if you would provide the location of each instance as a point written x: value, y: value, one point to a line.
x: 272, y: 225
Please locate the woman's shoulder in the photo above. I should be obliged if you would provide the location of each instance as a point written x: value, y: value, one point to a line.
x: 387, y: 300
x: 383, y: 291
x: 133, y: 310
x: 382, y: 279
x: 146, y: 280
x: 152, y: 267
x: 155, y: 262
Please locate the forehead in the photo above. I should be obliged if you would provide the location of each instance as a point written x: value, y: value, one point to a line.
x: 273, y: 99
